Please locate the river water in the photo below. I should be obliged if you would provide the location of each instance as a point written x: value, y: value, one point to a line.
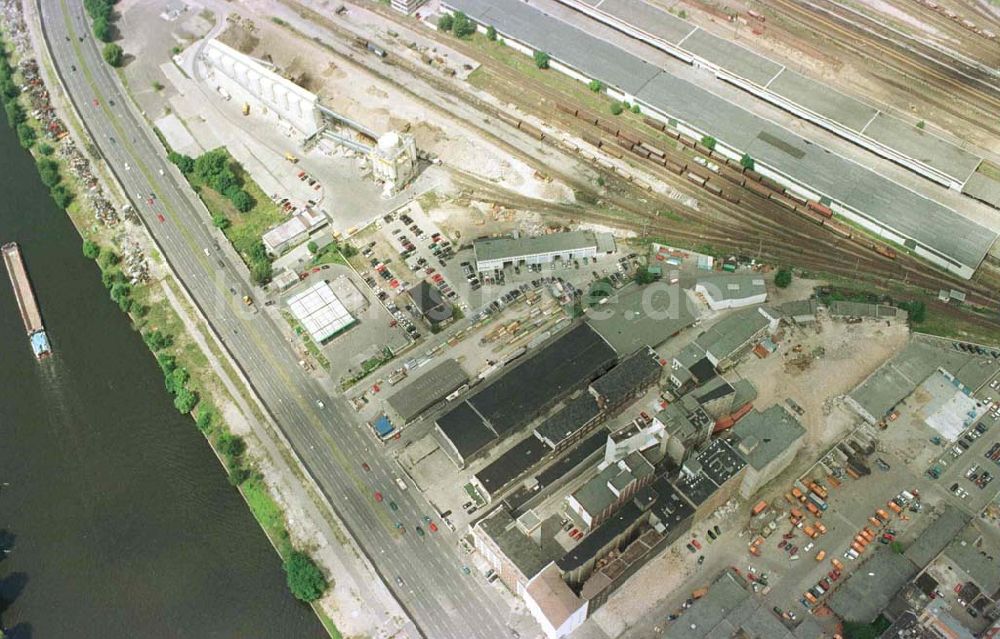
x: 120, y: 519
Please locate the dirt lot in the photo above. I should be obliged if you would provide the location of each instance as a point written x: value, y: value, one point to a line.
x: 357, y: 94
x: 832, y: 361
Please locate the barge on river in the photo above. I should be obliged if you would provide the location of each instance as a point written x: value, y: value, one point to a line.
x: 26, y: 302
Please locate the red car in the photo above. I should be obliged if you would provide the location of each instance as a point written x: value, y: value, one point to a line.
x: 433, y: 527
x: 315, y: 269
x: 378, y: 496
x: 834, y: 575
x: 160, y: 217
x: 366, y: 467
x: 694, y: 542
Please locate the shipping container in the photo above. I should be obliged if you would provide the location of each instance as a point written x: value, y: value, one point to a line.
x: 758, y: 508
x: 816, y: 499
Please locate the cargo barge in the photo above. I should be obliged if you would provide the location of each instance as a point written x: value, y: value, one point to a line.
x: 26, y: 302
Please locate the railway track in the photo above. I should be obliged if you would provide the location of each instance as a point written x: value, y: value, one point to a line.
x: 774, y: 233
x: 962, y: 100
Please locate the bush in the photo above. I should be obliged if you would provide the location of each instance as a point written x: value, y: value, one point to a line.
x: 445, y: 22
x: 91, y: 249
x: 113, y: 54
x: 25, y: 135
x: 921, y: 124
x: 9, y: 89
x: 747, y: 162
x: 542, y: 59
x: 312, y: 247
x: 643, y: 276
x: 261, y: 271
x: 185, y: 401
x: 102, y: 30
x: 107, y: 259
x: 305, y: 579
x: 46, y: 149
x: 98, y: 8
x: 916, y: 310
x: 231, y: 446
x: 220, y: 222
x: 348, y: 250
x: 617, y: 108
x: 783, y: 278
x: 62, y: 196
x: 168, y: 363
x: 205, y: 420
x: 596, y: 86
x: 242, y: 201
x: 709, y: 142
x: 157, y: 340
x: 183, y: 162
x: 491, y: 34
x: 15, y: 114
x: 461, y: 26
x: 48, y: 170
x: 636, y: 109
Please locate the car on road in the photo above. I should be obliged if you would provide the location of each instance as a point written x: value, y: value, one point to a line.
x: 393, y: 507
x: 399, y: 582
x: 420, y: 531
x: 378, y: 496
x: 366, y: 467
x: 694, y: 542
x: 159, y: 216
x: 432, y: 526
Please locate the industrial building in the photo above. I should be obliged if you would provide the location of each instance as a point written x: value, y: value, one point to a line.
x: 562, y: 366
x: 433, y: 307
x: 769, y: 440
x: 883, y: 207
x: 718, y: 348
x: 643, y: 316
x: 406, y: 6
x: 293, y: 231
x: 495, y: 253
x: 320, y: 312
x: 731, y: 291
x: 394, y: 160
x: 433, y: 386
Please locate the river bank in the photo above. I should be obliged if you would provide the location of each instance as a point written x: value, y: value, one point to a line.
x: 164, y: 317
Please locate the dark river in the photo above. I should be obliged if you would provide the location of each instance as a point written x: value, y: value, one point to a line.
x: 120, y: 520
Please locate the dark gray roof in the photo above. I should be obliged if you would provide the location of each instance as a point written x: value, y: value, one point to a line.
x: 466, y: 430
x: 863, y: 595
x: 571, y: 460
x: 573, y: 359
x: 772, y: 432
x: 600, y: 537
x: 880, y: 199
x: 577, y: 413
x: 719, y: 461
x: 642, y: 316
x: 936, y: 536
x: 978, y: 554
x: 528, y: 556
x: 430, y: 302
x: 511, y: 248
x: 428, y: 389
x: 512, y: 464
x: 629, y: 375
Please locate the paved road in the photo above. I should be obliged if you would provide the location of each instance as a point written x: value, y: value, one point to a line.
x: 441, y: 599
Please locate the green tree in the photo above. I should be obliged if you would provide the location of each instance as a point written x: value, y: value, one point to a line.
x: 91, y: 249
x: 747, y: 162
x: 120, y: 290
x: 242, y: 200
x: 644, y: 276
x: 183, y: 162
x: 25, y: 135
x: 46, y: 149
x: 102, y: 30
x: 617, y: 108
x: 125, y: 304
x: 596, y: 86
x: 211, y: 163
x: 157, y: 340
x: 312, y: 247
x: 61, y: 195
x: 221, y: 222
x: 445, y: 22
x: 185, y: 401
x: 261, y: 271
x: 305, y: 579
x: 636, y: 109
x: 783, y: 278
x: 491, y: 33
x: 709, y: 142
x: 15, y: 114
x: 98, y: 8
x: 542, y: 59
x: 461, y: 26
x: 921, y: 124
x: 206, y: 417
x: 48, y: 170
x: 176, y: 380
x: 916, y: 311
x: 348, y: 250
x: 107, y: 259
x: 113, y: 54
x: 167, y: 362
x: 109, y: 278
x: 9, y: 89
x: 231, y: 446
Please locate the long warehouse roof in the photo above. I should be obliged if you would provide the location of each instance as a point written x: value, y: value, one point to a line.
x: 884, y: 201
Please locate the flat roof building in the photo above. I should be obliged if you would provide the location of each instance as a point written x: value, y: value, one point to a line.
x: 494, y: 253
x: 320, y: 312
x: 425, y: 391
x: 569, y: 423
x: 769, y: 441
x: 432, y: 305
x: 643, y: 316
x: 510, y: 466
x: 293, y: 231
x: 597, y: 499
x: 732, y: 291
x: 566, y: 364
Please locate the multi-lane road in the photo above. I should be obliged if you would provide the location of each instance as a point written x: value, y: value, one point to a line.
x: 442, y: 600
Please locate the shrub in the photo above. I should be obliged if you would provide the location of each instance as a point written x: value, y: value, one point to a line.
x: 25, y: 135
x: 185, y: 401
x: 783, y: 278
x: 107, y: 259
x: 445, y: 22
x: 15, y: 114
x: 220, y: 222
x: 46, y: 149
x: 205, y: 419
x: 461, y: 25
x: 113, y: 54
x: 231, y: 446
x: 157, y: 340
x: 48, y: 170
x: 305, y: 579
x: 312, y: 247
x: 102, y: 30
x: 491, y: 34
x: 91, y: 249
x: 242, y: 201
x: 636, y: 109
x: 747, y: 162
x: 596, y: 86
x: 709, y: 142
x: 617, y: 108
x: 921, y: 124
x: 916, y: 310
x: 183, y: 162
x: 62, y: 195
x: 542, y: 59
